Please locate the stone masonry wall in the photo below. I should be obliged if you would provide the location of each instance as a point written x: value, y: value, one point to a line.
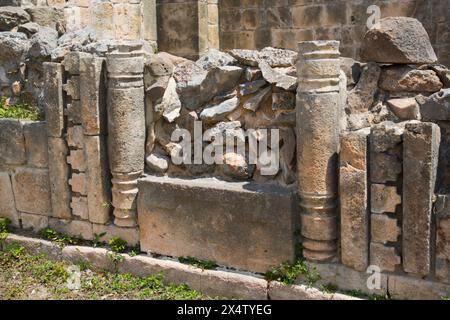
x: 283, y: 23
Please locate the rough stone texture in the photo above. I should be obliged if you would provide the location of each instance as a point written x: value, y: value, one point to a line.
x: 401, y: 287
x: 384, y: 167
x: 35, y: 134
x: 353, y: 187
x: 420, y: 157
x: 442, y: 238
x: 386, y: 258
x: 384, y: 198
x: 362, y: 96
x: 35, y: 246
x: 59, y: 173
x: 76, y: 228
x: 384, y: 229
x: 97, y: 181
x: 76, y: 160
x: 278, y: 79
x: 407, y: 79
x: 54, y: 108
x: 12, y: 142
x: 404, y: 108
x: 162, y: 201
x: 7, y: 204
x: 98, y: 257
x: 32, y: 191
x: 33, y: 221
x: 435, y: 107
x: 130, y: 235
x: 280, y: 291
x: 78, y: 183
x: 11, y: 17
x: 218, y: 112
x: 398, y: 40
x: 272, y: 56
x: 79, y: 207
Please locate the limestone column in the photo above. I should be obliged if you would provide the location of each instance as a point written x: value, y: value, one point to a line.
x: 318, y: 109
x: 126, y: 128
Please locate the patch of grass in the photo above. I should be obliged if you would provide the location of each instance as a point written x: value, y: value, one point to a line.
x: 27, y: 276
x: 362, y: 295
x: 5, y: 224
x: 18, y: 111
x: 60, y: 238
x: 445, y: 298
x: 97, y: 239
x: 287, y: 273
x: 202, y: 264
x: 118, y: 245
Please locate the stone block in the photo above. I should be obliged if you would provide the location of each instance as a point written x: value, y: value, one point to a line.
x: 36, y: 143
x: 384, y: 198
x: 98, y: 183
x: 36, y: 246
x: 401, y: 287
x: 384, y: 229
x: 75, y: 228
x: 353, y: 189
x: 31, y: 189
x: 78, y: 183
x: 98, y: 257
x: 75, y: 137
x: 73, y: 112
x: 384, y: 167
x: 12, y: 146
x: 53, y: 102
x: 72, y: 87
x: 184, y: 218
x: 130, y: 235
x: 7, y: 203
x: 443, y: 249
x: 76, y: 160
x: 59, y: 172
x: 93, y: 95
x: 386, y: 136
x: 79, y: 207
x: 420, y: 158
x: 386, y: 258
x: 34, y: 222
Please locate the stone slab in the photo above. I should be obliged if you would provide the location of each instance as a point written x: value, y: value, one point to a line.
x: 7, y: 203
x: 53, y: 93
x: 242, y: 225
x: 35, y: 134
x: 12, y: 142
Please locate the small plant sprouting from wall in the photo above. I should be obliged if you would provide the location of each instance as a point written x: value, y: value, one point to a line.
x: 118, y: 245
x: 202, y: 264
x: 5, y: 224
x: 287, y: 273
x: 60, y: 238
x: 18, y: 111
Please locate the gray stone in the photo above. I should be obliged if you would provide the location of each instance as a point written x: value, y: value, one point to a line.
x: 46, y: 16
x: 32, y: 191
x: 280, y: 80
x: 443, y: 241
x: 76, y: 160
x: 159, y: 66
x: 75, y: 137
x: 53, y: 103
x: 384, y: 167
x: 398, y: 40
x: 384, y: 229
x: 218, y: 112
x: 407, y: 79
x: 169, y: 208
x: 258, y: 99
x: 420, y: 158
x: 12, y: 142
x: 130, y: 235
x: 170, y: 105
x: 362, y: 96
x: 252, y: 74
x: 79, y: 207
x: 215, y: 58
x: 353, y: 187
x: 402, y: 287
x: 384, y: 199
x: 280, y: 291
x: 435, y: 107
x: 43, y: 43
x: 352, y: 70
x: 11, y: 17
x: 35, y: 134
x: 285, y: 119
x: 442, y: 72
x: 59, y: 173
x: 75, y: 228
x: 7, y: 203
x: 29, y: 28
x: 235, y: 166
x: 272, y: 56
x: 33, y: 221
x: 284, y: 100
x: 405, y: 108
x: 386, y: 136
x: 36, y: 246
x: 251, y: 87
x: 98, y: 257
x: 386, y: 258
x: 14, y: 47
x: 157, y: 162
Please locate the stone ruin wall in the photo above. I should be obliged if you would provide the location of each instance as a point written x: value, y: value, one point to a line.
x: 283, y: 23
x: 363, y: 176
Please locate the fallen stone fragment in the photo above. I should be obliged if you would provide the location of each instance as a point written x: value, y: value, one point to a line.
x: 404, y: 108
x: 218, y: 112
x: 284, y: 100
x: 251, y: 87
x: 157, y: 162
x: 435, y: 107
x: 215, y: 58
x: 407, y: 79
x: 352, y: 70
x: 252, y: 74
x: 258, y: 99
x: 11, y: 17
x: 281, y: 81
x: 272, y: 56
x: 235, y: 166
x: 398, y: 40
x: 170, y: 105
x: 29, y: 28
x: 362, y: 96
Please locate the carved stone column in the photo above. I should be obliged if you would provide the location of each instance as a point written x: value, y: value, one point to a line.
x: 126, y: 128
x: 318, y: 109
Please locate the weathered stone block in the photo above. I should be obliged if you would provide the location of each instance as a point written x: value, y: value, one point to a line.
x: 420, y: 158
x: 76, y: 160
x: 32, y: 191
x: 443, y: 248
x: 78, y: 183
x: 12, y: 146
x: 59, y: 172
x: 75, y: 137
x: 384, y: 198
x: 79, y: 207
x: 130, y: 235
x: 76, y: 228
x: 386, y: 136
x: 97, y: 181
x: 183, y: 218
x: 33, y: 221
x: 384, y: 229
x: 353, y: 199
x: 72, y: 87
x: 53, y: 93
x: 401, y: 287
x: 7, y: 204
x: 384, y: 167
x: 384, y: 257
x: 36, y: 143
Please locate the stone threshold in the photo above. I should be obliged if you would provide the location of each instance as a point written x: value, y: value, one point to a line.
x: 209, y: 282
